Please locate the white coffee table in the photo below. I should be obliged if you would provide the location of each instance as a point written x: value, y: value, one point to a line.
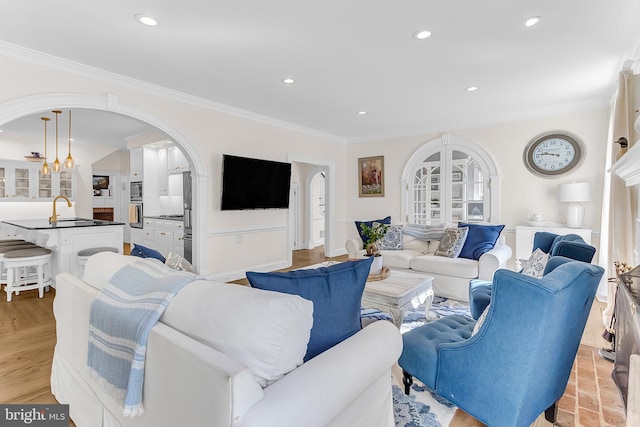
x: 398, y: 292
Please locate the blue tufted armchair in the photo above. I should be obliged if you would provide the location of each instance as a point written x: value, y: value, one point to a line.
x: 518, y: 363
x: 570, y: 246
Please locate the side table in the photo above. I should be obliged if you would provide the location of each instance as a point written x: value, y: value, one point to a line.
x: 398, y: 292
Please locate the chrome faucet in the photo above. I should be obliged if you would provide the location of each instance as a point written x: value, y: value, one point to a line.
x: 54, y: 217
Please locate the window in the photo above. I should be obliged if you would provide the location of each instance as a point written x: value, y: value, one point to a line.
x: 450, y: 180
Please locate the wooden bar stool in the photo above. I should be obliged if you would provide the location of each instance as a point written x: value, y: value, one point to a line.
x: 84, y: 254
x: 19, y: 264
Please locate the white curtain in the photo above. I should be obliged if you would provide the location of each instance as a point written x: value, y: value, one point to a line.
x: 617, y: 236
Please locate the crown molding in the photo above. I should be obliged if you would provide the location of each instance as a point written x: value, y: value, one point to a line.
x: 50, y: 61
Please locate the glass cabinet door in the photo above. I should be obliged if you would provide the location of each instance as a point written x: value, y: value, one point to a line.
x: 3, y: 183
x: 66, y: 183
x: 22, y: 183
x: 44, y: 185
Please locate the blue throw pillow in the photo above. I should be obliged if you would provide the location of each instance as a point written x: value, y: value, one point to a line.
x: 336, y: 294
x: 365, y: 240
x: 480, y: 239
x: 144, y: 252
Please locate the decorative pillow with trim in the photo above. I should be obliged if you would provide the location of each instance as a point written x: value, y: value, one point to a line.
x: 452, y: 242
x: 482, y: 238
x: 336, y: 293
x: 480, y: 321
x: 364, y: 238
x: 178, y: 262
x: 393, y: 239
x: 536, y: 263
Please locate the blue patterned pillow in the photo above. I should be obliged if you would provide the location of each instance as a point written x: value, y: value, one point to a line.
x: 452, y: 241
x: 393, y: 239
x: 336, y: 293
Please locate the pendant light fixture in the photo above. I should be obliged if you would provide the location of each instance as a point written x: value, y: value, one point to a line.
x: 56, y: 164
x: 68, y: 163
x: 45, y: 165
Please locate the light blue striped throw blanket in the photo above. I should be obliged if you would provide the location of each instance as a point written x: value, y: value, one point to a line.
x: 121, y: 318
x: 425, y: 232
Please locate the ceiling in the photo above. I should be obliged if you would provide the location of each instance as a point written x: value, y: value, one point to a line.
x: 345, y: 57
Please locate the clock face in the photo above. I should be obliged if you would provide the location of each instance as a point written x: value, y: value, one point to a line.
x: 552, y: 154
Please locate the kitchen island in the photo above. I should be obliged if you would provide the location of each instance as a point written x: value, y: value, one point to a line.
x: 67, y: 236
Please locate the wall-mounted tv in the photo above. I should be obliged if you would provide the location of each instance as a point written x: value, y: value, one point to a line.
x: 254, y: 183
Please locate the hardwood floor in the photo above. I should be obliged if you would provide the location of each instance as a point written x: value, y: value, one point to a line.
x: 27, y: 339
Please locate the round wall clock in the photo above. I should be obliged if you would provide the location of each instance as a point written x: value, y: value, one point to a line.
x: 552, y: 154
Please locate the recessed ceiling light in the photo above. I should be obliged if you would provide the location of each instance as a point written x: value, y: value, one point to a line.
x: 288, y: 81
x: 145, y: 19
x: 530, y: 22
x: 422, y: 34
x: 471, y: 88
x: 362, y: 113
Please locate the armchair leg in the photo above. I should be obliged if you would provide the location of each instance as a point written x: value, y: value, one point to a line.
x: 551, y: 412
x: 407, y: 380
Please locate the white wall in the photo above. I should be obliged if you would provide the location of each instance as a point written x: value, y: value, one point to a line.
x: 233, y: 241
x: 521, y: 191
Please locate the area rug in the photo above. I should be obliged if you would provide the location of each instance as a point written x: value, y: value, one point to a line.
x: 423, y: 407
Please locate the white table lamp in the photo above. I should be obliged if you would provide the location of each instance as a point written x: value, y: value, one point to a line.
x: 574, y: 194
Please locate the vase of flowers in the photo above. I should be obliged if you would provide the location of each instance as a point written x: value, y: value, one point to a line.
x: 374, y: 234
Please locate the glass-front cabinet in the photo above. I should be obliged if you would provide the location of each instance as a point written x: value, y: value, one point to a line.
x: 24, y: 181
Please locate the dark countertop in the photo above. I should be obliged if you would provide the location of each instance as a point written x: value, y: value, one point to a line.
x: 43, y: 224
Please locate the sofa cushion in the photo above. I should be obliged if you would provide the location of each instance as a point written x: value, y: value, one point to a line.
x: 144, y: 252
x: 399, y: 259
x: 336, y: 293
x: 265, y: 331
x: 392, y: 240
x: 364, y: 238
x: 414, y: 244
x: 452, y: 242
x: 481, y: 238
x: 456, y: 267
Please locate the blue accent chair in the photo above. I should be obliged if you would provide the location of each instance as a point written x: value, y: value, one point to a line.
x: 518, y: 363
x: 569, y: 246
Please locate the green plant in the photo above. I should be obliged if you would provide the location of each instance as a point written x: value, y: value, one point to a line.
x: 373, y: 233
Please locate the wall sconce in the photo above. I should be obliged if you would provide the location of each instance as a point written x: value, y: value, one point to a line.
x: 574, y: 193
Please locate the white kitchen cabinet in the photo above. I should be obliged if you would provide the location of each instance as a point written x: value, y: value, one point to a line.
x: 23, y: 181
x: 135, y: 164
x: 177, y: 162
x: 525, y: 235
x: 163, y: 172
x: 163, y: 235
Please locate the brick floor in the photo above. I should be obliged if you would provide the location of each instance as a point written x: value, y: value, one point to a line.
x: 591, y: 398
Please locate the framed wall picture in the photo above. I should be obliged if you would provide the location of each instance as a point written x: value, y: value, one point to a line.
x: 456, y: 176
x: 371, y: 176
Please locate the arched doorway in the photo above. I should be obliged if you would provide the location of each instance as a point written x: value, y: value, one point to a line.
x: 18, y: 108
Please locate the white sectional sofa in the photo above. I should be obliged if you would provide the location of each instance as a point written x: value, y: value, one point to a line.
x: 209, y: 353
x: 451, y: 275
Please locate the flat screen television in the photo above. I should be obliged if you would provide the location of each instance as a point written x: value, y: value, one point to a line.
x: 254, y: 183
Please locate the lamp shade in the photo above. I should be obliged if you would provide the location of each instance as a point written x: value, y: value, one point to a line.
x: 575, y: 192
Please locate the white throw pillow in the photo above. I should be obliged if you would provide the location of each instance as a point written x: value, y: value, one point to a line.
x: 535, y: 265
x: 480, y: 321
x: 266, y: 331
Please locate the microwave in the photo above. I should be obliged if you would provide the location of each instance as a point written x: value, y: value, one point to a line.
x: 136, y: 191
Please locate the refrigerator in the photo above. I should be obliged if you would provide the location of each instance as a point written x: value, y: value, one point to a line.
x: 187, y: 198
